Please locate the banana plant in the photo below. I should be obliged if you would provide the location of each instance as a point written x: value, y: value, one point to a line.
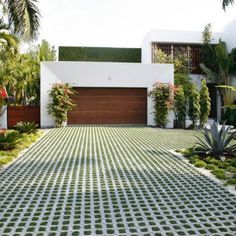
x: 230, y: 95
x: 226, y: 70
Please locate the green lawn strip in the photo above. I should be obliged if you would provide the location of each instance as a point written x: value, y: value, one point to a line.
x: 223, y: 170
x: 25, y: 140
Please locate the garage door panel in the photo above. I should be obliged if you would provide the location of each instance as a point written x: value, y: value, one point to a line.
x: 95, y: 99
x: 109, y: 106
x: 102, y: 106
x: 110, y: 91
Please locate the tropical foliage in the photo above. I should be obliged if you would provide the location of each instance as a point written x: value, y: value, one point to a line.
x: 20, y: 73
x: 179, y: 107
x: 194, y: 104
x: 14, y: 144
x: 180, y: 59
x: 205, y: 103
x: 217, y: 141
x: 226, y: 3
x: 163, y: 97
x: 223, y: 70
x: 8, y: 140
x: 61, y: 103
x: 190, y: 102
x: 23, y: 17
x: 26, y: 127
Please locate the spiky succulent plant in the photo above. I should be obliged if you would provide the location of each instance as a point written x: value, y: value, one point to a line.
x: 217, y: 141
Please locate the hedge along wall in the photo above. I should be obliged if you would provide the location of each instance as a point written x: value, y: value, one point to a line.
x: 100, y: 54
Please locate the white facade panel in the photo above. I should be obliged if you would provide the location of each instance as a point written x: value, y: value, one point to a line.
x: 102, y: 74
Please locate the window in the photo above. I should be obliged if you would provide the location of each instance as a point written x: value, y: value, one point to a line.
x: 192, y: 50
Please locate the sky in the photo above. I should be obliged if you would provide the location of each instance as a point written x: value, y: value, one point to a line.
x: 124, y: 23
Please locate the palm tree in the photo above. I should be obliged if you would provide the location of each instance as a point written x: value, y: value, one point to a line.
x: 226, y: 3
x: 23, y: 17
x: 224, y: 71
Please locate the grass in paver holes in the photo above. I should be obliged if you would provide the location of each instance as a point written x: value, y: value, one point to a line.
x: 110, y: 231
x: 99, y: 232
x: 191, y: 232
x: 76, y: 227
x: 53, y: 228
x: 87, y: 232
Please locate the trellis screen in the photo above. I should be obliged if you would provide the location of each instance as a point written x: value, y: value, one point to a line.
x: 193, y: 52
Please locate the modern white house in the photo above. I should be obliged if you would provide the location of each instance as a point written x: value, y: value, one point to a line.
x: 168, y: 41
x: 113, y: 83
x: 116, y: 91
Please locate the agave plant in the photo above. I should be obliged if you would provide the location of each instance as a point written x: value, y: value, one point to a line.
x: 216, y: 141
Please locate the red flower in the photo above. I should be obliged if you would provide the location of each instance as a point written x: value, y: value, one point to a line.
x: 3, y: 93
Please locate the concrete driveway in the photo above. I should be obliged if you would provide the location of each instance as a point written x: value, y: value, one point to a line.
x: 111, y: 180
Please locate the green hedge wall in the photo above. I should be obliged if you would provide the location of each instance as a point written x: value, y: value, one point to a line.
x: 99, y: 54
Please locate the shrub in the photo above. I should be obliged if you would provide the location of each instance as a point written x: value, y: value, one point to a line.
x: 61, y: 103
x: 9, y: 140
x: 212, y: 160
x: 205, y: 103
x: 187, y: 152
x: 233, y: 162
x: 219, y: 173
x: 180, y: 106
x: 231, y: 181
x: 26, y: 127
x: 162, y: 95
x: 211, y: 167
x: 5, y: 159
x: 230, y: 115
x: 194, y: 159
x: 216, y: 141
x: 200, y: 164
x: 194, y: 105
x: 231, y: 169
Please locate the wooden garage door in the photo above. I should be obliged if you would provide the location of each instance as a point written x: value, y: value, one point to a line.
x: 109, y: 106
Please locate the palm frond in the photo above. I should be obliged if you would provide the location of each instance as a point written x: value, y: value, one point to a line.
x: 233, y: 88
x: 226, y: 3
x: 209, y: 73
x: 24, y: 16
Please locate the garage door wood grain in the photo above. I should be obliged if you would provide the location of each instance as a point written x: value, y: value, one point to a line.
x: 109, y: 106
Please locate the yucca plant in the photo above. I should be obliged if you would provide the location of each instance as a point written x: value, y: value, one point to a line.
x: 216, y: 141
x: 9, y: 140
x: 26, y: 127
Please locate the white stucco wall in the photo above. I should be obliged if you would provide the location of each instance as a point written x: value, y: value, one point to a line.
x: 3, y: 118
x: 102, y: 74
x: 47, y: 79
x: 229, y: 35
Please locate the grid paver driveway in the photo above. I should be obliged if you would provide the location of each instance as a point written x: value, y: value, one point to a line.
x: 111, y: 180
